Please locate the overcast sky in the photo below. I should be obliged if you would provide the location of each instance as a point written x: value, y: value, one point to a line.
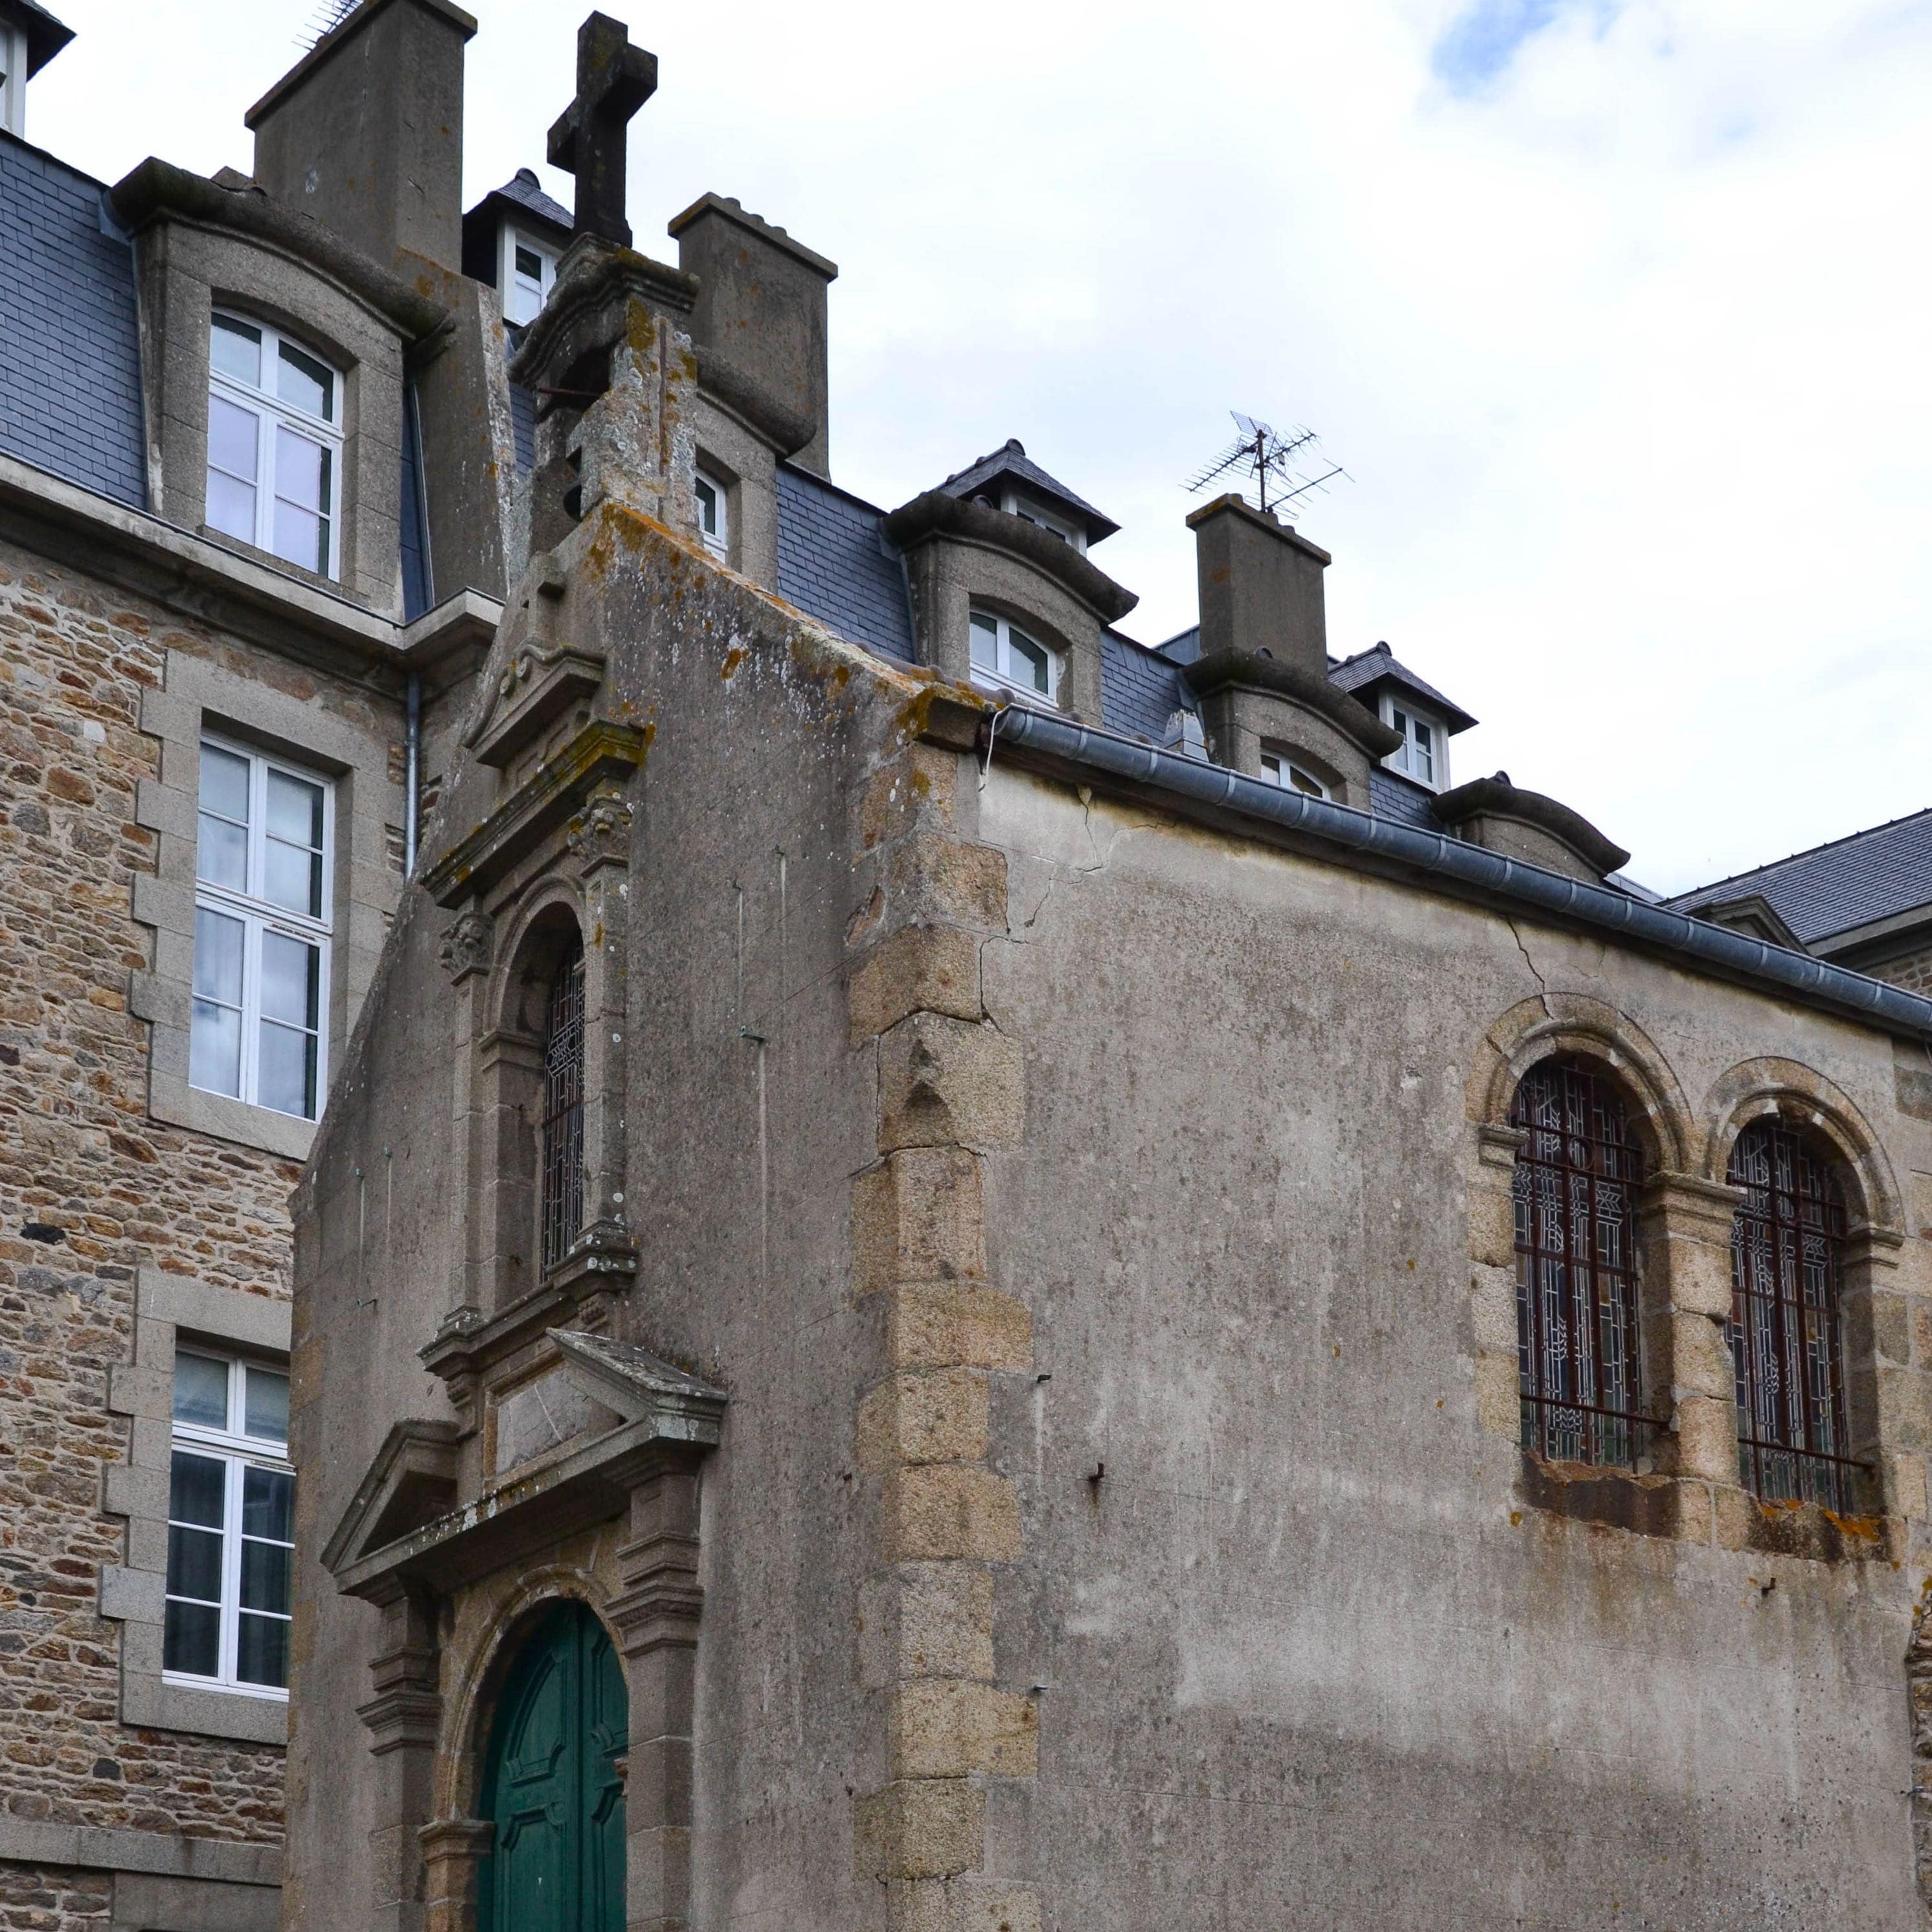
x: 1615, y: 311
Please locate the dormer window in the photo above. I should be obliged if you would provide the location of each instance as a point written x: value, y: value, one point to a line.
x: 714, y: 516
x: 527, y: 275
x: 1423, y: 753
x: 13, y: 79
x: 1004, y: 656
x: 1029, y: 511
x: 274, y: 444
x: 1278, y: 769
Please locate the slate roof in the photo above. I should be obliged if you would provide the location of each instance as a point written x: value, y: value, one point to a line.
x: 1140, y: 690
x: 1379, y: 664
x: 1876, y: 873
x: 46, y: 36
x: 526, y: 191
x: 1010, y: 459
x: 1392, y: 796
x: 70, y: 348
x: 835, y: 565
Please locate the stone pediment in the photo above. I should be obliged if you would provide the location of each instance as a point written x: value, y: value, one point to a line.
x: 559, y: 791
x: 535, y: 687
x: 412, y: 1480
x: 666, y: 1416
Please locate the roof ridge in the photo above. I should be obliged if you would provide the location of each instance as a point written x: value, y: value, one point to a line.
x: 1012, y: 443
x: 1805, y: 852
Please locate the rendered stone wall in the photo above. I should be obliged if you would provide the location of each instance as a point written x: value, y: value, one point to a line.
x: 91, y: 1189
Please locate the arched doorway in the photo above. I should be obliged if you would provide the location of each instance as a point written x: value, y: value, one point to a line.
x: 554, y: 1784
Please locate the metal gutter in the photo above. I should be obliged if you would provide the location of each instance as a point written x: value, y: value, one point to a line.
x: 1468, y: 868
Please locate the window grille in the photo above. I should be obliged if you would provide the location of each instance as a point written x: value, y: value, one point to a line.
x: 1786, y: 1347
x: 563, y: 1106
x: 1577, y: 1299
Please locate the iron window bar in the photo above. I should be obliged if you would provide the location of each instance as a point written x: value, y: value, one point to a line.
x: 1786, y: 1347
x: 1578, y: 1360
x: 562, y: 1138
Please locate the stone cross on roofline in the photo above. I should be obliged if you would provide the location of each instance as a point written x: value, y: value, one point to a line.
x: 613, y: 80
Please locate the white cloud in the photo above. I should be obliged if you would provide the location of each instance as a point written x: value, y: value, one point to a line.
x: 1622, y: 341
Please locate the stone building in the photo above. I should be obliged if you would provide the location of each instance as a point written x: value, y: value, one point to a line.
x: 940, y: 1288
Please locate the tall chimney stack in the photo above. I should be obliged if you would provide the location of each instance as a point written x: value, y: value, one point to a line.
x: 1261, y: 586
x: 365, y: 131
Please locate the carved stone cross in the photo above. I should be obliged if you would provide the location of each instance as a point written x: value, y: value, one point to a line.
x: 613, y: 80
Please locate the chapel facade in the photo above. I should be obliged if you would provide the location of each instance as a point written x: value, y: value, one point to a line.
x: 959, y: 1272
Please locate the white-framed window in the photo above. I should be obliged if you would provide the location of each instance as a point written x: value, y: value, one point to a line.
x: 714, y: 516
x: 1003, y: 656
x: 231, y: 1527
x: 274, y: 443
x: 13, y: 79
x: 526, y: 273
x: 263, y: 871
x: 1279, y: 770
x: 1423, y: 753
x: 1064, y: 529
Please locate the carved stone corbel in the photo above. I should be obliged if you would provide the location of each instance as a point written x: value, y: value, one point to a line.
x: 468, y: 946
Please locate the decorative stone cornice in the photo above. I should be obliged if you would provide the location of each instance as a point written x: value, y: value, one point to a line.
x: 538, y: 684
x: 1245, y: 671
x: 601, y: 755
x: 1497, y: 797
x: 936, y: 515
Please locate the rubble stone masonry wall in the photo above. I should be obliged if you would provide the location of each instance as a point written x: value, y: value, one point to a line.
x: 91, y: 1189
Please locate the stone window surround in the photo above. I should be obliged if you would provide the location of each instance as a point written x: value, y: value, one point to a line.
x: 236, y: 1885
x: 167, y: 1307
x: 198, y: 695
x: 734, y: 456
x: 1683, y: 1217
x: 187, y: 272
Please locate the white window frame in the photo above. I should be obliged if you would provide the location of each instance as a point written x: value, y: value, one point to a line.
x: 1429, y: 767
x: 1069, y: 532
x: 1279, y: 769
x: 259, y: 915
x: 13, y: 79
x: 509, y: 240
x: 271, y: 413
x: 997, y: 676
x: 238, y: 1452
x: 717, y: 536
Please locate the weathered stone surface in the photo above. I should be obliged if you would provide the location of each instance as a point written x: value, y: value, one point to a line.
x: 928, y: 1828
x: 937, y: 1417
x: 931, y: 1327
x: 921, y: 969
x: 948, y: 1728
x: 949, y: 1083
x: 917, y: 1217
x: 949, y: 1510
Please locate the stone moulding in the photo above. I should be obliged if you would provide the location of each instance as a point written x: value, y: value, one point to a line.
x: 1244, y: 670
x: 1496, y: 797
x: 599, y: 753
x: 935, y: 514
x: 589, y: 1486
x: 537, y: 685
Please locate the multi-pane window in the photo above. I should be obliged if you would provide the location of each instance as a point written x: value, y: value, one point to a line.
x: 1279, y: 770
x: 562, y: 1152
x: 261, y: 931
x: 1786, y: 1347
x: 714, y: 511
x: 231, y: 1526
x: 1004, y: 655
x: 274, y: 443
x: 1576, y: 1301
x: 528, y: 274
x: 1420, y: 753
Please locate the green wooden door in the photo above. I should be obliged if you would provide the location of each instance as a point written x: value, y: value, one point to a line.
x: 551, y: 1786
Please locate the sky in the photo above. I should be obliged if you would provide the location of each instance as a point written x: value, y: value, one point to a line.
x: 1613, y: 310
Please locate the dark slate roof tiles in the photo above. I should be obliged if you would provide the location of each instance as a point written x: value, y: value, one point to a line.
x: 1010, y: 459
x: 1140, y: 690
x: 70, y: 350
x: 1876, y: 873
x: 835, y: 565
x: 1378, y: 662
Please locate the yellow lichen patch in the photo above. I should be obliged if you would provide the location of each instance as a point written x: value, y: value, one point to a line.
x: 733, y: 658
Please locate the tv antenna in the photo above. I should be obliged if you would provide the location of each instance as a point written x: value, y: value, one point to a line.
x: 329, y: 15
x: 1278, y: 466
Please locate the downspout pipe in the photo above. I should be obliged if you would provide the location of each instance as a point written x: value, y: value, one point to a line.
x: 1470, y: 871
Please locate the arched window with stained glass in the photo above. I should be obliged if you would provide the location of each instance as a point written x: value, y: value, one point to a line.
x: 1578, y: 1345
x: 1787, y: 1349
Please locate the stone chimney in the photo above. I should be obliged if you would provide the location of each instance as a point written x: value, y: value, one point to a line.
x: 365, y: 132
x: 1267, y: 707
x: 760, y: 318
x: 1261, y: 587
x: 30, y: 36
